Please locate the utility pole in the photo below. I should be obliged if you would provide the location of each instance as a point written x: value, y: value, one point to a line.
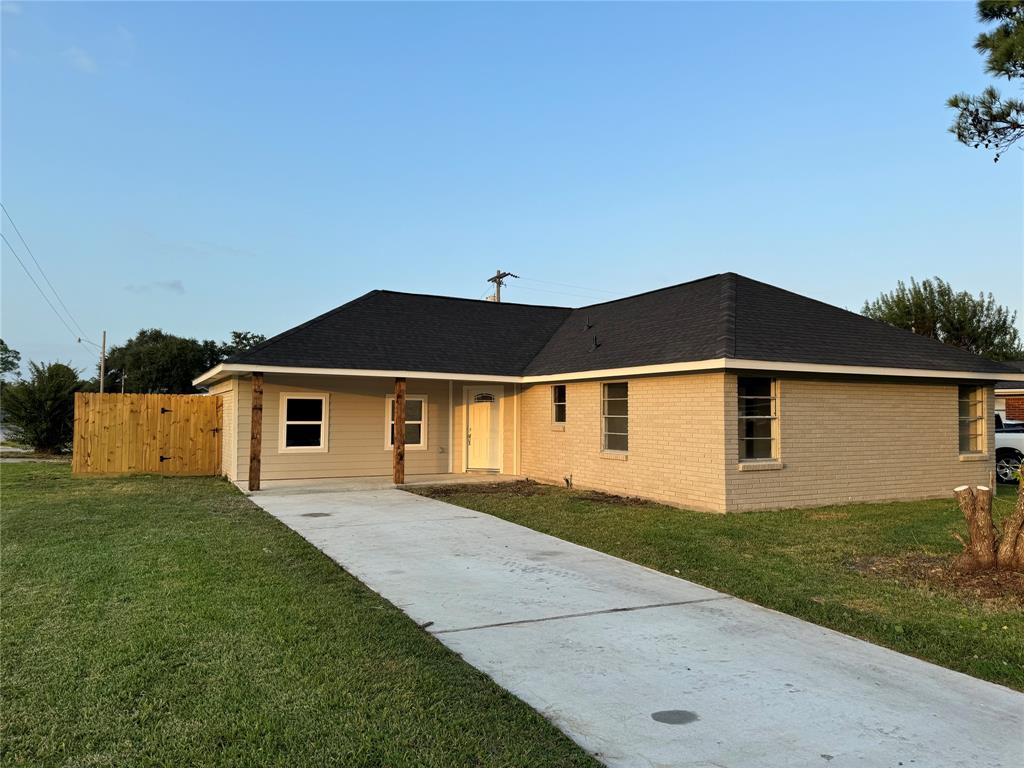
x: 499, y: 280
x: 103, y: 361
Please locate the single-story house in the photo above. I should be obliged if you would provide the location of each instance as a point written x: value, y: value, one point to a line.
x: 1010, y: 395
x: 720, y: 394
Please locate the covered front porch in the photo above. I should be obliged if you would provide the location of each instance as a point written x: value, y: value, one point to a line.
x: 366, y: 431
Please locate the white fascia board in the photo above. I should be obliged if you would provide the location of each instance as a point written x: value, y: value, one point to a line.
x: 715, y: 364
x: 861, y: 370
x: 237, y: 369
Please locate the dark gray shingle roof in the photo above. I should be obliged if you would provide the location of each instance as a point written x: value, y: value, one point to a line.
x: 725, y: 315
x: 387, y: 330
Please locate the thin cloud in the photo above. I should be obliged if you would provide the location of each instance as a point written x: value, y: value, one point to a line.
x: 12, y: 8
x: 124, y: 45
x: 81, y: 59
x: 171, y: 286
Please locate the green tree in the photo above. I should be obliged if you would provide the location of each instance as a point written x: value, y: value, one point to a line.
x: 932, y: 308
x: 241, y: 341
x: 40, y: 411
x: 988, y: 120
x: 156, y: 361
x: 10, y: 359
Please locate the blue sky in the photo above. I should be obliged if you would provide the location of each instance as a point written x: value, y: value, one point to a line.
x: 208, y: 167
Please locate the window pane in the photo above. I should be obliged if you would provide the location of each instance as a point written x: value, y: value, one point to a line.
x: 413, y: 433
x: 756, y: 407
x: 970, y: 436
x: 754, y: 386
x: 618, y: 390
x: 560, y: 413
x: 616, y: 442
x: 413, y: 410
x: 619, y: 424
x: 756, y: 411
x: 616, y: 407
x: 970, y: 405
x: 755, y: 428
x: 756, y: 449
x: 302, y: 435
x: 558, y: 393
x: 303, y: 409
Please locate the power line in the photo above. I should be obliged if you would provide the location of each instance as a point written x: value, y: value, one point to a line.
x: 41, y: 272
x: 41, y: 293
x: 570, y: 285
x: 560, y: 293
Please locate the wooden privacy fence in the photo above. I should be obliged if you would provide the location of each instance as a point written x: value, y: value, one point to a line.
x: 164, y: 434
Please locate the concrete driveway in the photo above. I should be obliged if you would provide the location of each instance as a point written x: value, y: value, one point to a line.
x: 643, y: 669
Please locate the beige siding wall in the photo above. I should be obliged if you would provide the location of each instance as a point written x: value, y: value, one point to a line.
x: 226, y: 390
x: 676, y: 428
x: 857, y: 440
x: 356, y: 428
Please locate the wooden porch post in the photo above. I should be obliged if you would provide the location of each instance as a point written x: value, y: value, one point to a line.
x: 256, y: 432
x: 398, y: 443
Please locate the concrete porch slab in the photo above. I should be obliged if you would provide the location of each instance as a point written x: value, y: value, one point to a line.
x: 375, y: 483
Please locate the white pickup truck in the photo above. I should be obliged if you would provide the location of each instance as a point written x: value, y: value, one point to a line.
x: 1009, y: 449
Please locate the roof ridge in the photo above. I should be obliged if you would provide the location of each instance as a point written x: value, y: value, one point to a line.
x: 477, y: 301
x: 657, y: 290
x: 727, y: 319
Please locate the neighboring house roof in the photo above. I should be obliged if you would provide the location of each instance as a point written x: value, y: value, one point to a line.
x: 1016, y: 386
x: 724, y: 316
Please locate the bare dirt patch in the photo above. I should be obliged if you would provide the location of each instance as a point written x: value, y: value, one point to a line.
x: 517, y: 488
x: 525, y: 488
x: 998, y: 589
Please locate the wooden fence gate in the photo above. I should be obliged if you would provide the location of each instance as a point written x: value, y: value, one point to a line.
x: 163, y: 434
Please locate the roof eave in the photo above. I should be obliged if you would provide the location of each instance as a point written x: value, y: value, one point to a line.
x: 226, y: 370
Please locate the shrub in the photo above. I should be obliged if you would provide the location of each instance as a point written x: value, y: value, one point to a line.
x: 40, y: 411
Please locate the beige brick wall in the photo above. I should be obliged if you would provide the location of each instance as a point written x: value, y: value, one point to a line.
x: 857, y: 440
x: 675, y: 455
x: 840, y: 441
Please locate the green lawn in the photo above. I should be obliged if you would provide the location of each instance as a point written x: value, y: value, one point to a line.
x: 875, y: 571
x: 169, y: 622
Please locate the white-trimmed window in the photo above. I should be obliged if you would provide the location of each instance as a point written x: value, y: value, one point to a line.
x: 615, y: 416
x: 303, y: 422
x: 558, y: 404
x: 972, y: 419
x: 415, y: 422
x: 758, y: 418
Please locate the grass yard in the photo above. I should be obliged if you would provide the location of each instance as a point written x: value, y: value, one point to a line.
x: 876, y: 571
x: 154, y: 621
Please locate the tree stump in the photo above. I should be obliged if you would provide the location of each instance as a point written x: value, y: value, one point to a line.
x: 986, y: 547
x: 1010, y: 551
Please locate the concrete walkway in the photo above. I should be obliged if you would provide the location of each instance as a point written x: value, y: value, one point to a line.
x: 643, y: 669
